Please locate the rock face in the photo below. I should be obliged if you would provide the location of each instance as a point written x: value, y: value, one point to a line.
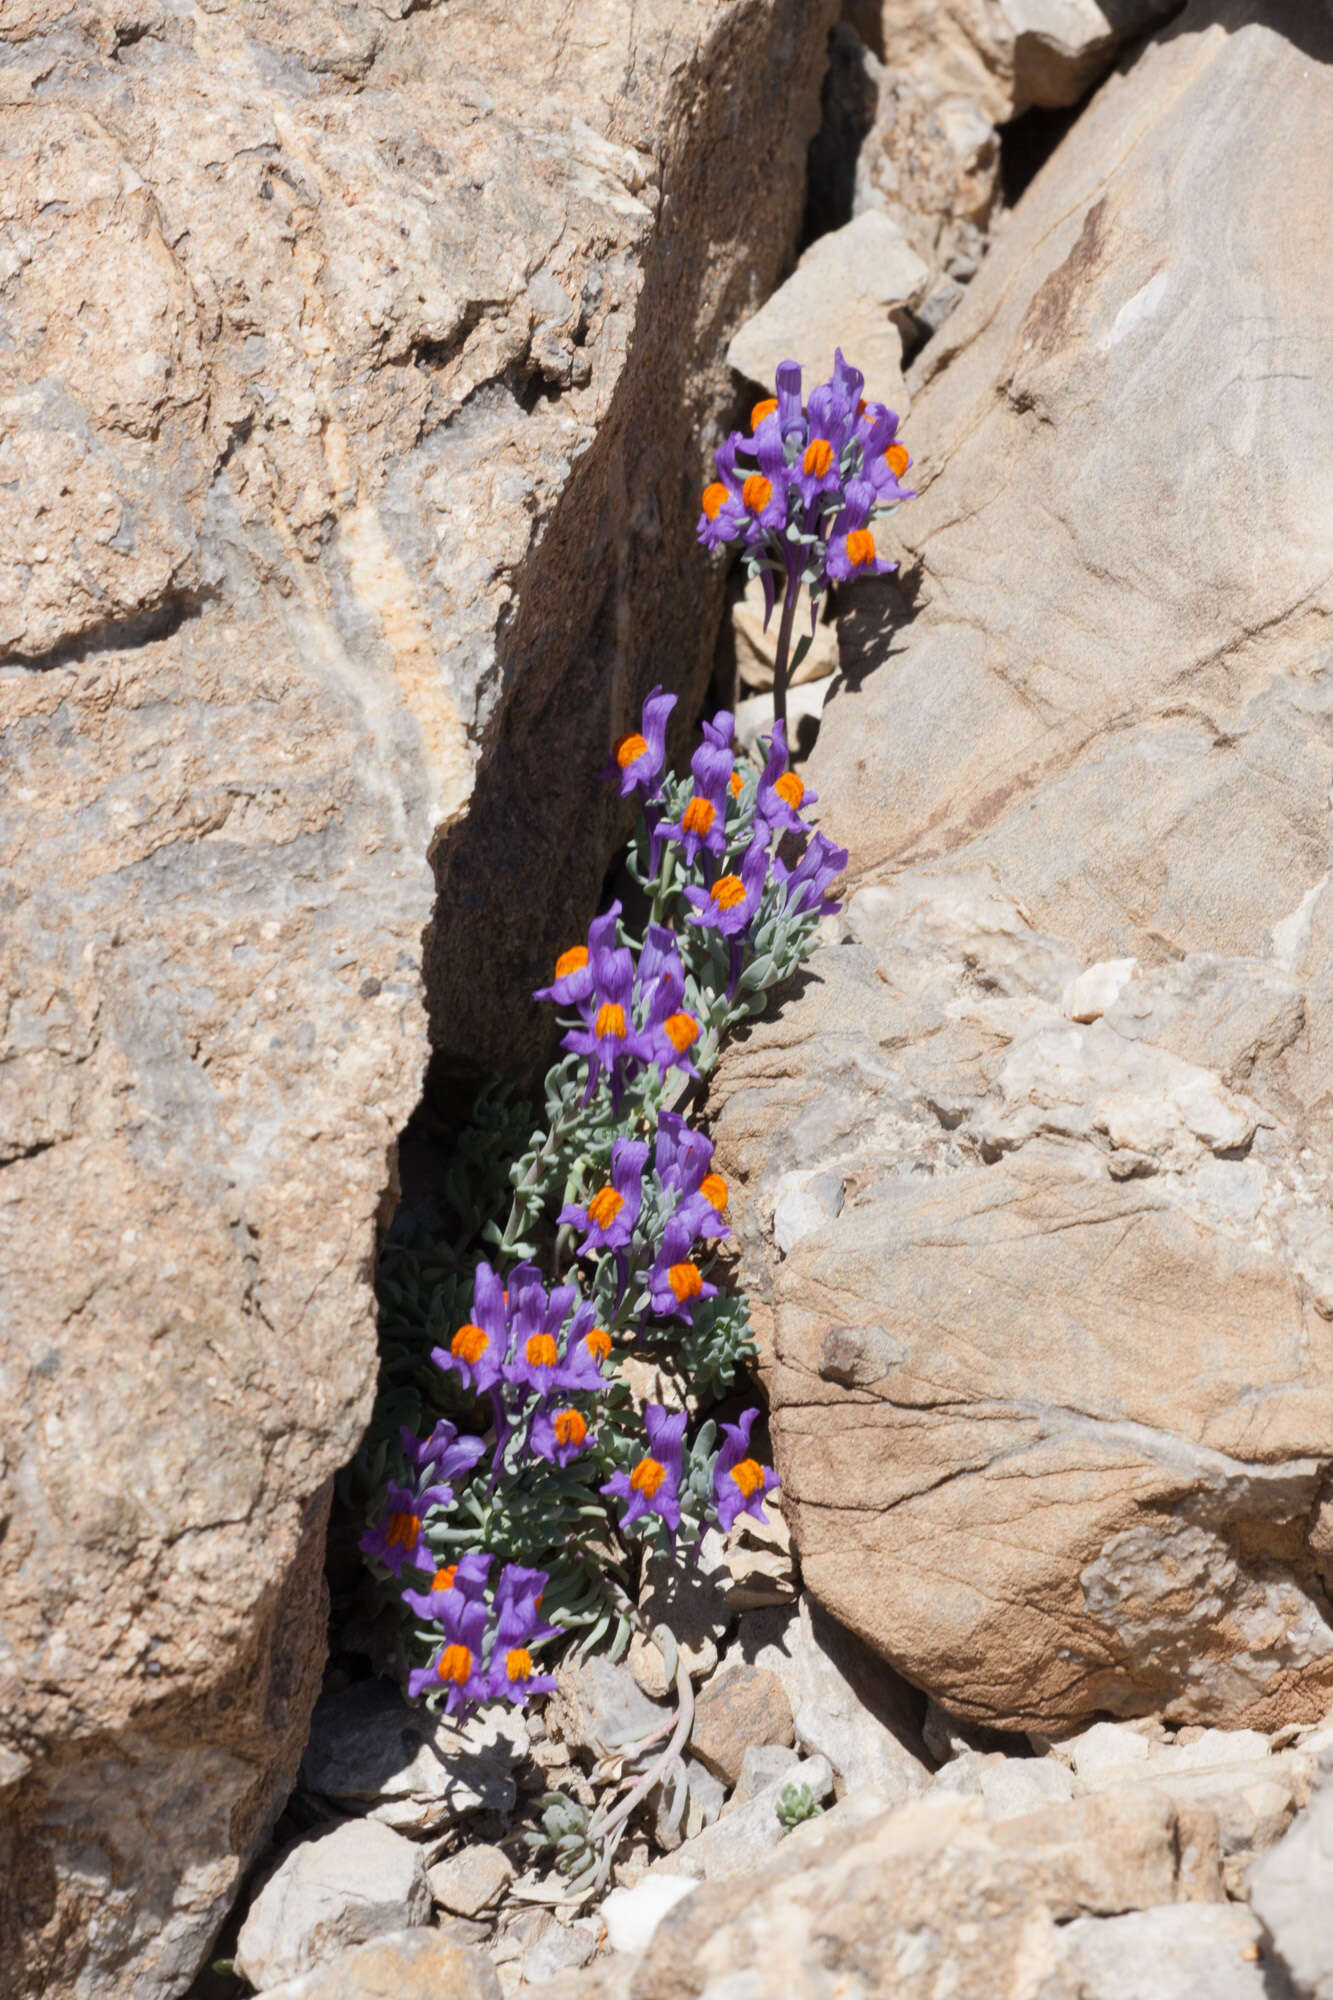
x: 354, y: 355
x: 930, y: 1900
x: 1049, y: 1126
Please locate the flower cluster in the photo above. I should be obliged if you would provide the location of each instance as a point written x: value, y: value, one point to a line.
x: 541, y: 1468
x: 798, y: 492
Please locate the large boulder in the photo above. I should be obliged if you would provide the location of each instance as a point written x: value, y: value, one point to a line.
x: 1034, y: 1174
x: 355, y: 359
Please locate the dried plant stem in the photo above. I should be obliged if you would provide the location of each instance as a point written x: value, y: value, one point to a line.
x: 789, y: 597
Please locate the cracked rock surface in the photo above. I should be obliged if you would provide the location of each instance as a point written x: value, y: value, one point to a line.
x: 1034, y: 1176
x: 356, y: 368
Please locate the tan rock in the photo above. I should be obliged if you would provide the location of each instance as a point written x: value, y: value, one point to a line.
x: 741, y: 1706
x: 852, y: 289
x: 924, y: 1900
x: 1054, y: 1375
x: 408, y: 1965
x: 471, y: 1880
x: 346, y: 349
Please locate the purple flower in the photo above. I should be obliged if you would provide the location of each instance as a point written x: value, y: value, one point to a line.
x: 535, y: 1322
x: 821, y: 472
x: 747, y: 504
x: 723, y: 512
x: 608, y: 1037
x: 675, y: 1281
x: 681, y: 1155
x: 704, y: 820
x: 781, y: 793
x: 573, y: 982
x: 683, y: 1162
x: 477, y: 1351
x: 610, y: 1215
x: 586, y: 1348
x: 730, y: 905
x: 669, y: 1031
x: 443, y: 1451
x: 739, y: 1481
x: 513, y: 1676
x: 467, y: 1577
x: 637, y: 758
x: 653, y: 1487
x: 805, y: 887
x: 851, y: 548
x: 790, y: 415
x: 457, y: 1664
x: 558, y: 1435
x: 396, y: 1537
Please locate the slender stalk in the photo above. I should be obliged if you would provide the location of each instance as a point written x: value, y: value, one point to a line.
x: 790, y: 595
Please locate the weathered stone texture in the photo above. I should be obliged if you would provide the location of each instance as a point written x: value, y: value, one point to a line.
x: 1034, y: 1176
x: 335, y: 337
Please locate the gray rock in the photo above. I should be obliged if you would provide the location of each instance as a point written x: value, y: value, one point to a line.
x: 763, y: 1764
x: 471, y: 1880
x: 404, y: 1965
x: 372, y: 1751
x: 1179, y: 1953
x: 691, y: 1600
x: 740, y: 1841
x: 599, y: 1707
x: 852, y: 1710
x: 1291, y: 1889
x: 704, y: 1799
x: 328, y: 1893
x: 1010, y: 1786
x: 560, y: 1948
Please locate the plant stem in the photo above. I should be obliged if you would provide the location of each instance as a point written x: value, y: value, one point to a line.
x: 789, y: 598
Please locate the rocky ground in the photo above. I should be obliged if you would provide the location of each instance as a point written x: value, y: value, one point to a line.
x: 1128, y: 1859
x: 362, y: 369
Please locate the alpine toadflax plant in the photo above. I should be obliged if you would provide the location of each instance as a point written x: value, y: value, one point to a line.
x: 799, y: 491
x: 537, y: 1452
x: 517, y: 1475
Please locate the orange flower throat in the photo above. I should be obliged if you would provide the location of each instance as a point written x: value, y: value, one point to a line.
x: 790, y: 789
x: 681, y: 1030
x: 540, y: 1351
x: 610, y: 1022
x: 604, y: 1207
x: 698, y: 816
x: 748, y: 1475
x: 727, y: 891
x: 572, y: 960
x: 646, y: 1477
x: 628, y: 749
x: 569, y: 1427
x: 454, y: 1664
x: 685, y: 1282
x: 469, y: 1344
x: 403, y: 1531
